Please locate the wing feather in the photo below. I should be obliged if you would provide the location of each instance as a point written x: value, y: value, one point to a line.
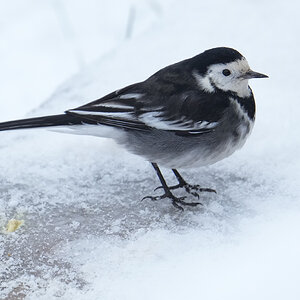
x: 134, y: 108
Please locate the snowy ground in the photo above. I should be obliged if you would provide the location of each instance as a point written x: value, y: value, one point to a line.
x: 86, y: 234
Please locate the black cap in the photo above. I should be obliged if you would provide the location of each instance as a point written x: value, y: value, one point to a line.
x: 220, y: 55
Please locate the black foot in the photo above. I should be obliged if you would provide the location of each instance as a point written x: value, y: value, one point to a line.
x: 189, y: 188
x: 176, y: 201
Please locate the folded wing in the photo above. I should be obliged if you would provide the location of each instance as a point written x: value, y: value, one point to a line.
x: 132, y: 108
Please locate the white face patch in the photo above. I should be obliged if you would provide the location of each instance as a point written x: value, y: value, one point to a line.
x: 214, y: 77
x: 204, y: 82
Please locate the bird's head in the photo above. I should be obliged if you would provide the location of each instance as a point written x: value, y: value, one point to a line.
x: 224, y: 69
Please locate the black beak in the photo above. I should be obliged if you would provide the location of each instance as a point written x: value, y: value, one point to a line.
x: 251, y: 74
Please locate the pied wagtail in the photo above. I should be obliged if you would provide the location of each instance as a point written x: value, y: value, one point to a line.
x: 189, y: 114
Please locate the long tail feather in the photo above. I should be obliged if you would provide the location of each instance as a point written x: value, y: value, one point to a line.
x: 48, y: 121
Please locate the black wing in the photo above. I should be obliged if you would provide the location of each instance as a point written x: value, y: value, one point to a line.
x: 161, y: 104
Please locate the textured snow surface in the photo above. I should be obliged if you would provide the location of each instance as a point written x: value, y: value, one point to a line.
x: 86, y: 232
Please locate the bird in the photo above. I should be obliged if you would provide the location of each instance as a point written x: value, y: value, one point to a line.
x: 190, y: 114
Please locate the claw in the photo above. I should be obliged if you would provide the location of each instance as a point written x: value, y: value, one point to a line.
x: 188, y: 188
x: 153, y: 198
x: 180, y: 200
x: 159, y: 187
x: 177, y: 202
x: 146, y: 197
x: 195, y: 194
x: 174, y: 187
x: 198, y: 188
x: 208, y: 190
x: 177, y: 206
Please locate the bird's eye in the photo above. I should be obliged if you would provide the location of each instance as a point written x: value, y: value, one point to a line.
x: 226, y: 72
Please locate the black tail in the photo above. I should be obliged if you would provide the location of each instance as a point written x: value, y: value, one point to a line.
x: 48, y: 121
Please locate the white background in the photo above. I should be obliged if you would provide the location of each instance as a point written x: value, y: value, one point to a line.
x: 86, y: 234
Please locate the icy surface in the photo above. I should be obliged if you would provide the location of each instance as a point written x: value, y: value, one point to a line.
x: 87, y: 235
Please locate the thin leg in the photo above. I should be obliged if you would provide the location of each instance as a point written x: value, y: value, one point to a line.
x: 176, y: 201
x: 180, y: 179
x: 160, y: 176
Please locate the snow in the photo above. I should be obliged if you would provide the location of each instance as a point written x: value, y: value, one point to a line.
x: 86, y: 234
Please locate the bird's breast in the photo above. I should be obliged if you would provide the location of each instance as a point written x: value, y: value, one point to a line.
x: 238, y: 126
x: 230, y: 136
